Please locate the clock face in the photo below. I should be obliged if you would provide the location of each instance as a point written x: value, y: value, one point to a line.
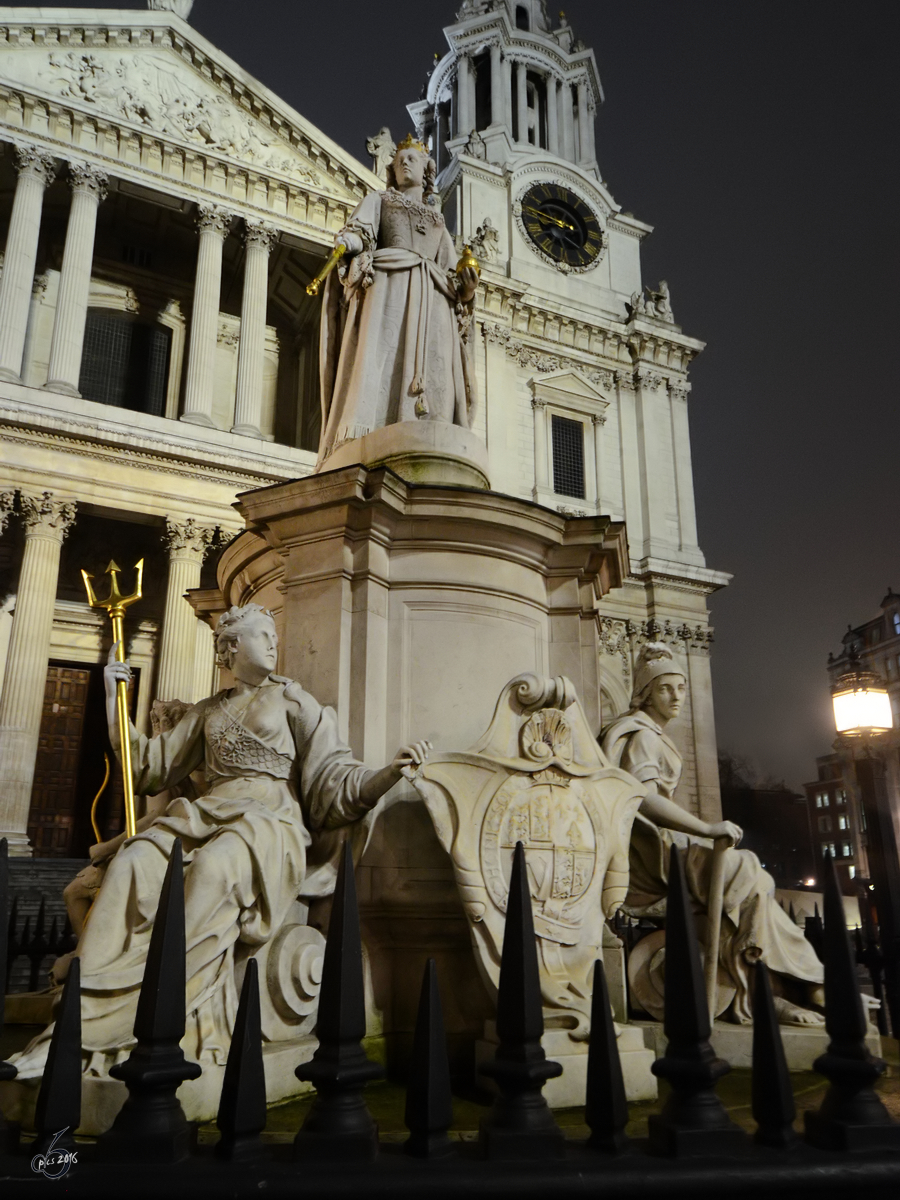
x: 561, y: 225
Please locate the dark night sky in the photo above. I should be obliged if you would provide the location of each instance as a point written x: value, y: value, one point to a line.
x: 760, y: 139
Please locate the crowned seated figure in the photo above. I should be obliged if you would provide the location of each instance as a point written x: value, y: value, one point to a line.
x: 754, y: 926
x: 396, y: 314
x: 281, y: 787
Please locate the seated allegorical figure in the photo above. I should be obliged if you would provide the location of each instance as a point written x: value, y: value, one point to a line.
x: 754, y: 926
x: 396, y: 314
x: 280, y: 786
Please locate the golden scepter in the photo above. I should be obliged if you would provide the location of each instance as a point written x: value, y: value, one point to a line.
x: 312, y: 288
x: 115, y: 605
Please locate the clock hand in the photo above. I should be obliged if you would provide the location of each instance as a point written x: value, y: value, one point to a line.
x: 546, y: 217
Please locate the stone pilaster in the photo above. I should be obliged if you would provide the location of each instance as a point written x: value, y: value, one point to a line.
x: 465, y: 110
x: 36, y: 171
x: 498, y: 100
x: 259, y: 239
x: 586, y: 152
x: 541, y: 471
x: 567, y: 115
x: 522, y: 102
x: 47, y: 521
x: 89, y: 188
x: 598, y: 421
x: 552, y: 114
x: 213, y: 223
x: 187, y: 543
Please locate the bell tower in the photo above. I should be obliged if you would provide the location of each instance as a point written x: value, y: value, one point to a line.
x: 582, y: 368
x: 516, y: 83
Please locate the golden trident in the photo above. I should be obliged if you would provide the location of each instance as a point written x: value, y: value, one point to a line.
x: 115, y: 605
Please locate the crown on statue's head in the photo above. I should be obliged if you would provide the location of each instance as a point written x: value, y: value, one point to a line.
x: 409, y: 142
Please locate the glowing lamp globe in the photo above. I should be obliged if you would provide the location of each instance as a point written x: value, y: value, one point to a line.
x: 861, y: 705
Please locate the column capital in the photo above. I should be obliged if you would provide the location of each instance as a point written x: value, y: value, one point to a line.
x: 45, y: 516
x: 31, y: 160
x: 648, y: 379
x: 7, y: 501
x: 598, y: 419
x: 211, y: 218
x: 187, y: 539
x: 85, y: 177
x: 538, y: 403
x: 260, y: 234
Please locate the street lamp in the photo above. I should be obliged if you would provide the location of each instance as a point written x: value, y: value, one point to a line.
x: 862, y: 715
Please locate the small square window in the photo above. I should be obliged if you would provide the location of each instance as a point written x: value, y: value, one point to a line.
x: 846, y: 849
x: 843, y: 821
x: 819, y: 800
x: 852, y: 872
x: 895, y: 618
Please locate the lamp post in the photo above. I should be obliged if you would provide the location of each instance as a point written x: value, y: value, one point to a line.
x: 862, y: 715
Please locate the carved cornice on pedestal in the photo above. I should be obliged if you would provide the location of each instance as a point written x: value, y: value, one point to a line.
x: 624, y: 638
x: 84, y: 177
x: 44, y: 515
x: 30, y: 160
x: 188, y: 538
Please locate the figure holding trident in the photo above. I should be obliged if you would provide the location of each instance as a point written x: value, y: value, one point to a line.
x: 115, y: 604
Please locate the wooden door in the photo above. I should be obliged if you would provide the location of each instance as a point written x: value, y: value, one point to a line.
x: 54, y: 793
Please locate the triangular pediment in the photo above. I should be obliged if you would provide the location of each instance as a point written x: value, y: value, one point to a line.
x: 164, y: 78
x: 570, y: 383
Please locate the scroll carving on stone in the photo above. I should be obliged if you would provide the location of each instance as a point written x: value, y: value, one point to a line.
x: 537, y: 776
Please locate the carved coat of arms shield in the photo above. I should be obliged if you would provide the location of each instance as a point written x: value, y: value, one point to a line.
x: 537, y: 777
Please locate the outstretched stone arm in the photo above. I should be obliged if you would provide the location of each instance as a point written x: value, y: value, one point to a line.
x: 669, y: 815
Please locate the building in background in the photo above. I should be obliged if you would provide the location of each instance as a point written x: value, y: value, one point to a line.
x: 836, y: 813
x: 776, y: 825
x: 161, y: 213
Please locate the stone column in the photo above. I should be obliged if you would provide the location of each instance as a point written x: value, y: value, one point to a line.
x: 522, y: 101
x: 213, y: 223
x: 541, y: 470
x: 47, y: 521
x: 598, y: 421
x: 498, y: 95
x: 568, y: 122
x: 89, y: 187
x: 465, y: 116
x: 684, y: 476
x: 36, y: 171
x: 259, y: 239
x: 552, y: 115
x: 586, y: 152
x: 187, y: 543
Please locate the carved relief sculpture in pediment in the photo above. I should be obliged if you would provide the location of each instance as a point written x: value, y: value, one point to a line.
x: 538, y: 777
x: 149, y: 89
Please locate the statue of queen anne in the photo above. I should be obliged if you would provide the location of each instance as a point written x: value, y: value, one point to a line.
x: 280, y: 786
x: 397, y: 314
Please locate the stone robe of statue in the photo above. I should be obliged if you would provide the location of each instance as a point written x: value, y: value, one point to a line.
x: 280, y: 785
x: 753, y: 923
x: 396, y: 315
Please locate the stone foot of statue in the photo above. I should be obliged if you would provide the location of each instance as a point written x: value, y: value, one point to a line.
x: 793, y: 1014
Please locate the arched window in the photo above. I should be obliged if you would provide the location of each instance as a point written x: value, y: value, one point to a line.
x: 125, y: 363
x: 522, y: 21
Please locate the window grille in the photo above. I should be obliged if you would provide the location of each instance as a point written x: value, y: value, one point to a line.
x: 125, y: 363
x: 568, y: 457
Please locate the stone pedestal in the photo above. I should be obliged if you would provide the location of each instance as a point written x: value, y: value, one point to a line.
x: 568, y: 1090
x: 101, y: 1099
x: 734, y: 1043
x: 408, y: 609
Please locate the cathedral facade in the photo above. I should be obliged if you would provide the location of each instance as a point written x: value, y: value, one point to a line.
x: 164, y: 213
